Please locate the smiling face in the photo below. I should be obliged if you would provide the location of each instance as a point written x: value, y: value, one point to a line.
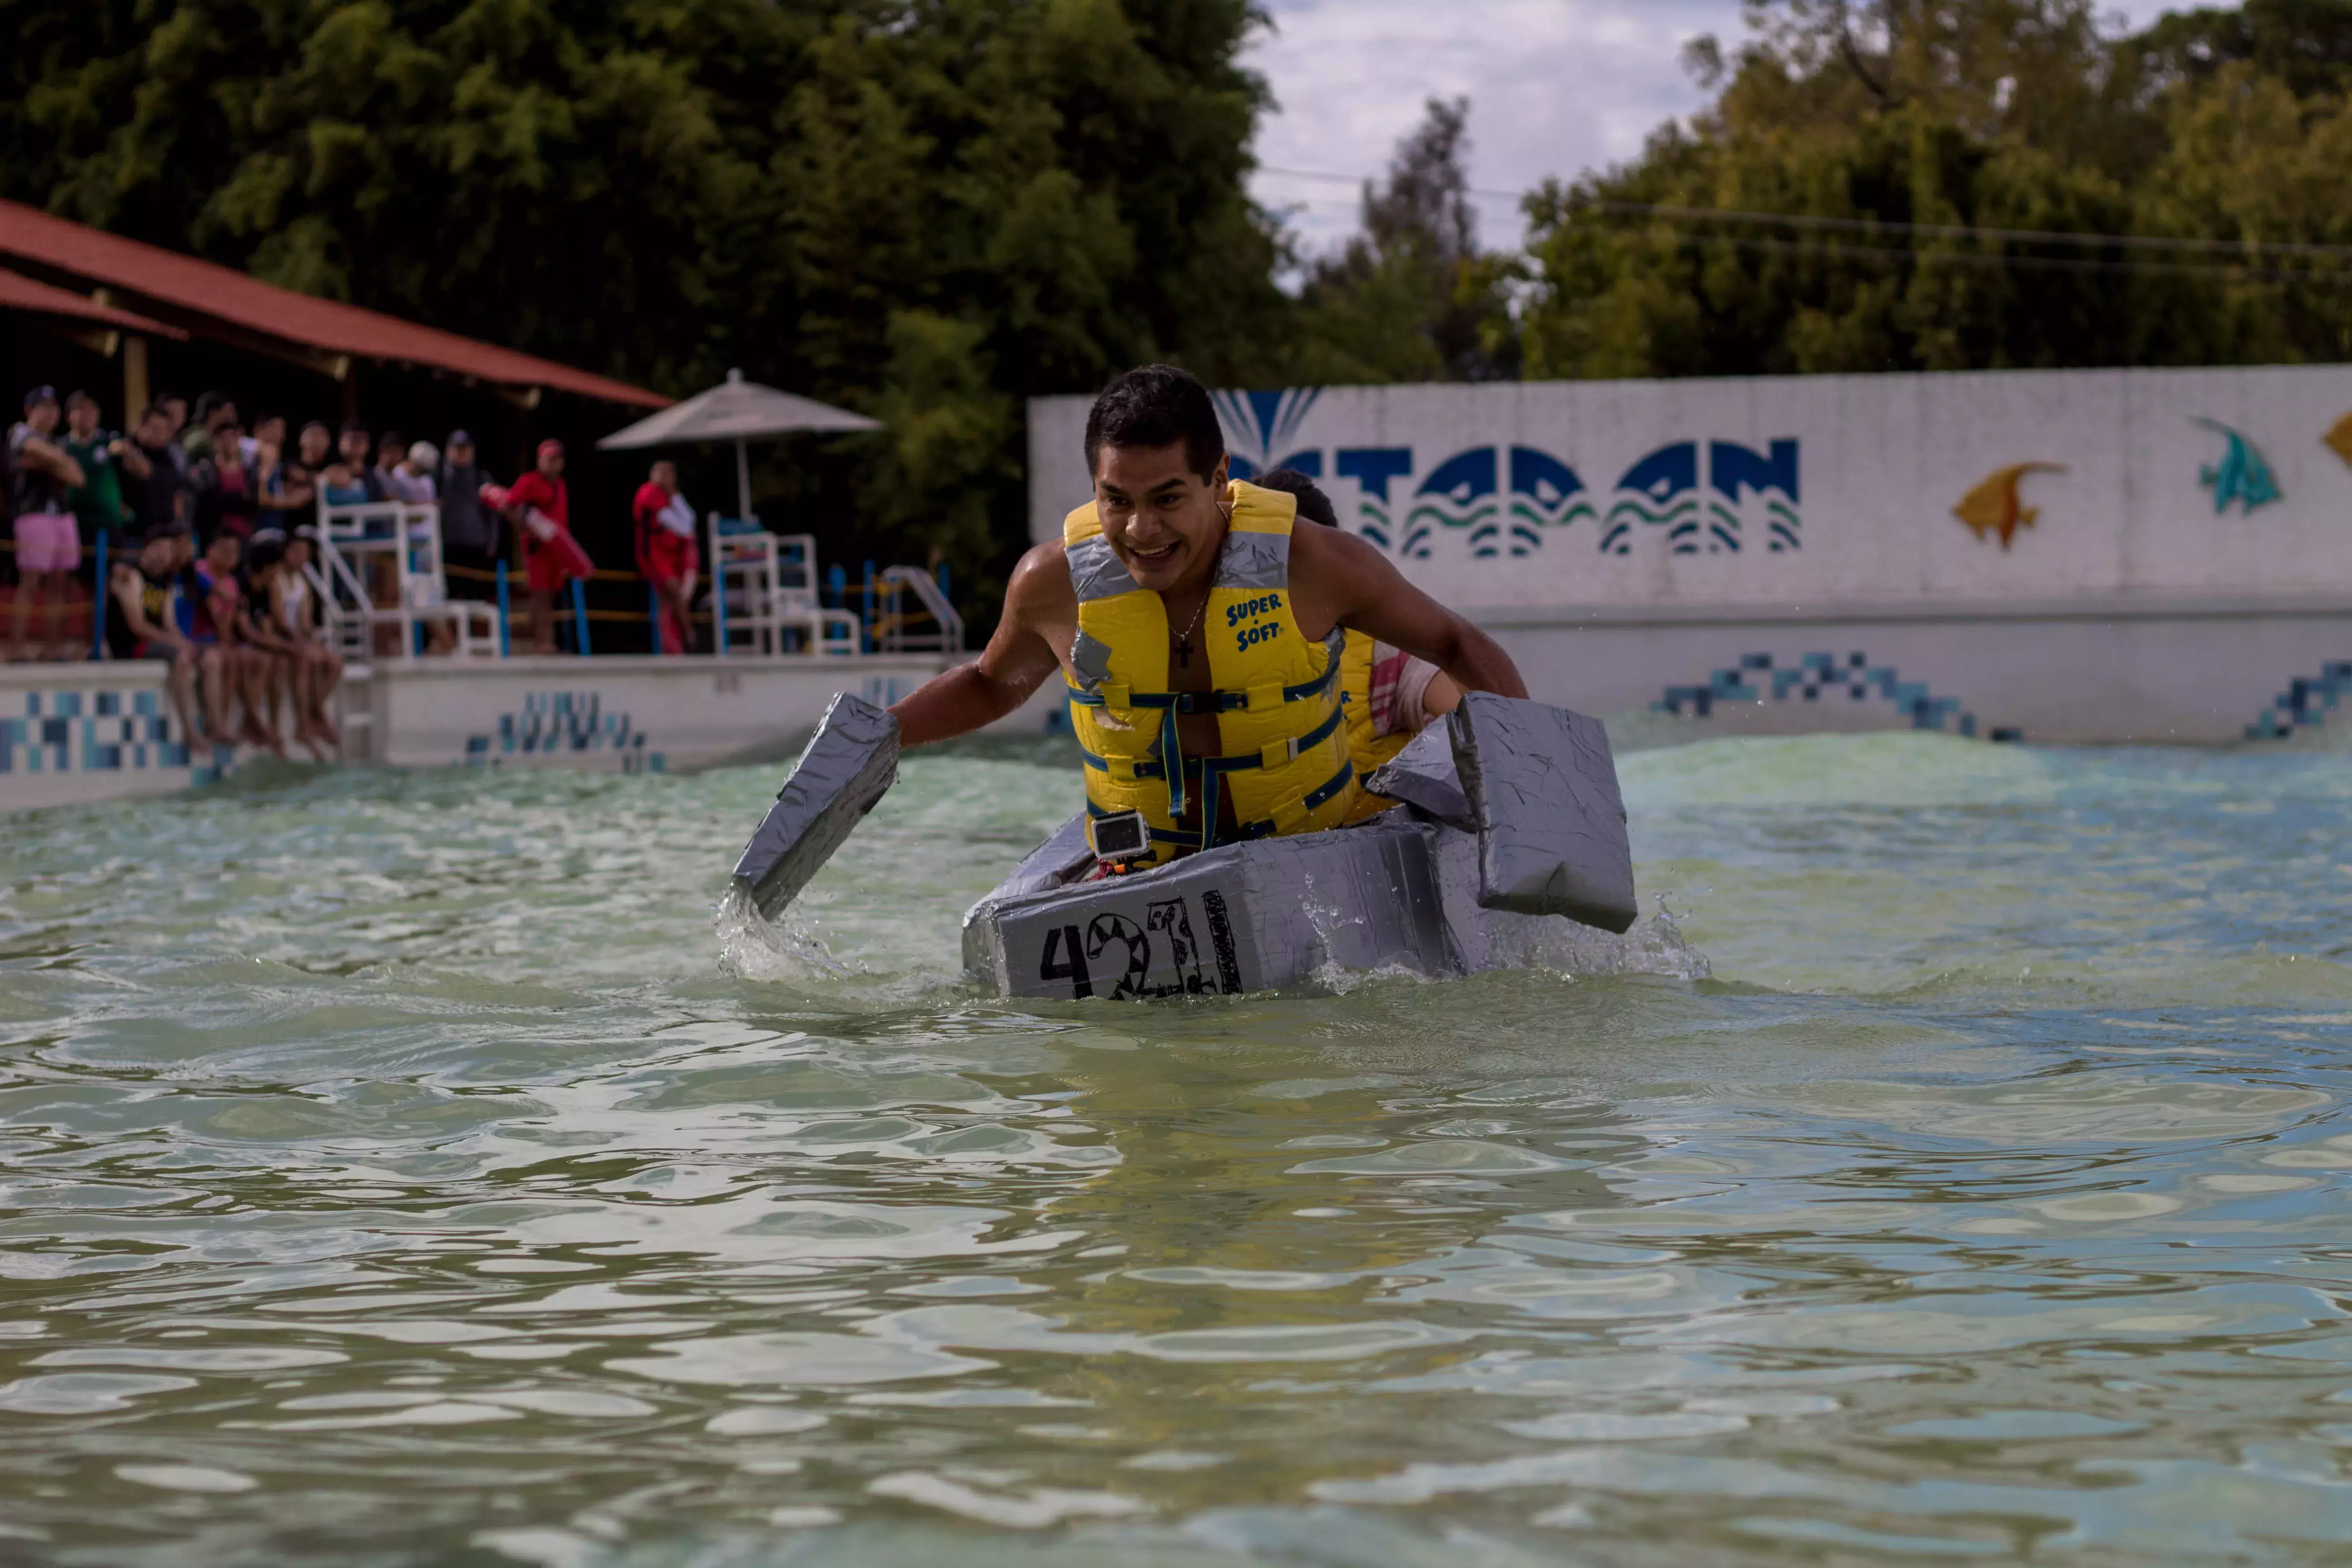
x: 1164, y: 521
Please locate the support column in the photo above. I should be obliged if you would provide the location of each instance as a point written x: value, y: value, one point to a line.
x: 134, y: 380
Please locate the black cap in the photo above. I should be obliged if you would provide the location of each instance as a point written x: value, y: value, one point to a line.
x: 40, y: 396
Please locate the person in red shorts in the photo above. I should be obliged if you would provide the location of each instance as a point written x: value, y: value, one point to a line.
x: 667, y: 554
x: 541, y: 506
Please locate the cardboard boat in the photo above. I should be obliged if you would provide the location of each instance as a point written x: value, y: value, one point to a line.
x: 1510, y: 822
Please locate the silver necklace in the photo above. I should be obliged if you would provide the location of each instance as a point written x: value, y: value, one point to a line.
x: 1184, y: 642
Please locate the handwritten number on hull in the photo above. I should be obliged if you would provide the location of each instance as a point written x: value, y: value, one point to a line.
x: 1060, y: 940
x: 1078, y: 960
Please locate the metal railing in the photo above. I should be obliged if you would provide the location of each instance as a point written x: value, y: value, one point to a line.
x: 381, y: 580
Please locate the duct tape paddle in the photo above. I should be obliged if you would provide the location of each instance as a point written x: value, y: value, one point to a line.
x: 847, y: 766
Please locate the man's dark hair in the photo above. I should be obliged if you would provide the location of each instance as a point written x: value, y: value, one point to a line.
x: 1313, y: 504
x: 209, y: 402
x: 1157, y: 405
x: 355, y: 427
x: 76, y: 397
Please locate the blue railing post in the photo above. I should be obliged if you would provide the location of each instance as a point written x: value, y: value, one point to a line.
x: 717, y: 593
x: 503, y: 640
x: 836, y: 587
x: 580, y: 617
x: 867, y: 621
x: 653, y: 615
x: 98, y: 603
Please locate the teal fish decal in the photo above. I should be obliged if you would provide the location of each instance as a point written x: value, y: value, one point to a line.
x: 2244, y: 475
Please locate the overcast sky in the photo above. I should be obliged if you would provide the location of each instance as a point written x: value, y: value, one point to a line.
x: 1555, y: 87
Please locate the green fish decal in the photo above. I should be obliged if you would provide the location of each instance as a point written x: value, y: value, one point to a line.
x: 2243, y: 474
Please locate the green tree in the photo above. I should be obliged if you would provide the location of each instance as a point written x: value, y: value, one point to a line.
x: 1900, y: 135
x: 926, y: 209
x: 1410, y: 296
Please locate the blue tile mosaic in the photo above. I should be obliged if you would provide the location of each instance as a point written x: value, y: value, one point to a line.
x: 66, y: 731
x: 554, y: 721
x: 1816, y: 678
x: 2307, y: 702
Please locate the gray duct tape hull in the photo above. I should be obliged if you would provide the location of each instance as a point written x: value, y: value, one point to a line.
x: 1473, y: 875
x: 849, y: 765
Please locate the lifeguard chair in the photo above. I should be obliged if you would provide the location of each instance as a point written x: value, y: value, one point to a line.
x: 763, y: 589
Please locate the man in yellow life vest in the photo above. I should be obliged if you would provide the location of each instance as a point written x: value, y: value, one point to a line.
x: 1201, y: 638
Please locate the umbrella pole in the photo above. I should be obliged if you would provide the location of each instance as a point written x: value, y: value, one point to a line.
x: 742, y: 484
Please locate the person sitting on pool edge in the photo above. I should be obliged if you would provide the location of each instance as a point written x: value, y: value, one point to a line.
x: 142, y: 618
x: 1201, y: 638
x: 1390, y: 695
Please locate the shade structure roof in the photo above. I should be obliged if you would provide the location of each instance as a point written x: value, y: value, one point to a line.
x: 205, y: 296
x: 735, y: 410
x: 18, y: 292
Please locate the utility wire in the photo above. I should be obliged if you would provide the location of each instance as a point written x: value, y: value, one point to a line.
x: 1877, y: 225
x: 2035, y: 263
x: 1962, y: 231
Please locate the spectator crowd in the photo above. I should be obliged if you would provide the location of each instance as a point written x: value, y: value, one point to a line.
x: 208, y: 524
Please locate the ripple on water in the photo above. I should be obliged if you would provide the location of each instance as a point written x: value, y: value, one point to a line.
x: 392, y: 1171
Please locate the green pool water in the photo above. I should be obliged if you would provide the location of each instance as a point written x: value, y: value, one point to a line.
x: 413, y: 1169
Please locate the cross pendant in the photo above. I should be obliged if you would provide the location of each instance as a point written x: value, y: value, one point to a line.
x: 1184, y: 652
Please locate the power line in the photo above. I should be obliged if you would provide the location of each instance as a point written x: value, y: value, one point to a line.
x: 2035, y: 263
x: 1879, y: 225
x: 1960, y: 231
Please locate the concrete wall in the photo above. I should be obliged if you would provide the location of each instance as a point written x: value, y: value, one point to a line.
x: 2077, y: 555
x: 1815, y: 490
x: 74, y: 732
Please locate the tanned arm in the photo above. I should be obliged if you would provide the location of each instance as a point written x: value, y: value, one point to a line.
x: 1337, y: 578
x: 1016, y: 662
x: 41, y: 453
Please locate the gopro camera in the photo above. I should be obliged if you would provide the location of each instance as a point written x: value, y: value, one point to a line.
x: 1117, y: 840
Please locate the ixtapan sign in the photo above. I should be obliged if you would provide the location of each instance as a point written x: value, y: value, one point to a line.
x: 1812, y: 490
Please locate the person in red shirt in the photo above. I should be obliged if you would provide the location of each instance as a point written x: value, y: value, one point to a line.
x: 541, y: 506
x: 667, y: 554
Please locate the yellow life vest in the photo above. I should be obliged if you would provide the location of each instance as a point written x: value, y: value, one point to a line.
x: 1280, y: 723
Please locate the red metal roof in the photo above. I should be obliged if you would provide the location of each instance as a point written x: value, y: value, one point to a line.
x: 18, y: 292
x: 182, y: 285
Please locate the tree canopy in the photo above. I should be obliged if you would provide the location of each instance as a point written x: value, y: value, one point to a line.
x: 931, y: 210
x: 1865, y: 191
x: 925, y: 209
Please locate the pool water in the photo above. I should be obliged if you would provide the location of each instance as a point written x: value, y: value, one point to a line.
x: 409, y: 1168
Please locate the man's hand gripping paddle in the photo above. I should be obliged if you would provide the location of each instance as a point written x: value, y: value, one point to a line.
x: 849, y: 765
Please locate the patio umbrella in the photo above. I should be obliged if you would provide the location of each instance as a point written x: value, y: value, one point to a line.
x: 738, y: 411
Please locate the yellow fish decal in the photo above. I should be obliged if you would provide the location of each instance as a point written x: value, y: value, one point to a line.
x: 1994, y: 506
x: 2339, y: 439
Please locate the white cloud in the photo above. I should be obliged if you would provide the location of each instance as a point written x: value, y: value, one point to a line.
x: 1556, y: 87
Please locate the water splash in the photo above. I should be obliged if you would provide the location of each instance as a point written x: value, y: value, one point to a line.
x: 752, y: 947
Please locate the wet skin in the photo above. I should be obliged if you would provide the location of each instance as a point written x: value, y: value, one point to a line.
x: 1166, y: 523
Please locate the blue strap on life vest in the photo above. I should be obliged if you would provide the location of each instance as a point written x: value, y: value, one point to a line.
x: 1157, y: 767
x: 1172, y: 703
x: 1209, y: 836
x: 1197, y: 703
